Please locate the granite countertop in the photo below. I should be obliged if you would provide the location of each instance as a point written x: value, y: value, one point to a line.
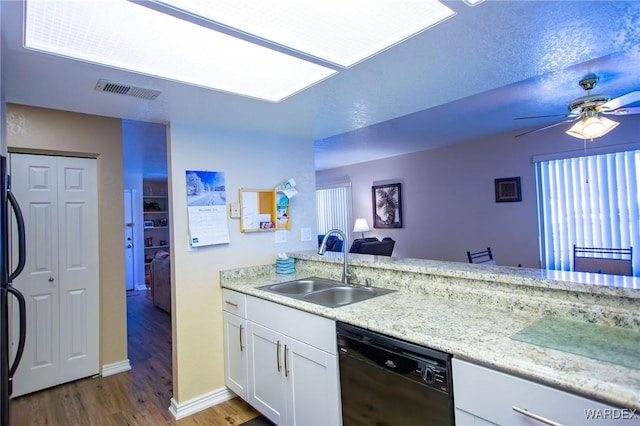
x: 465, y: 328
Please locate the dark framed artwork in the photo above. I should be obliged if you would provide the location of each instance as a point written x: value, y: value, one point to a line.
x: 387, y: 206
x: 508, y: 190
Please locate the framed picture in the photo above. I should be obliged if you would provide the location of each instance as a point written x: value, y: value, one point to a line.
x: 508, y: 190
x: 387, y: 206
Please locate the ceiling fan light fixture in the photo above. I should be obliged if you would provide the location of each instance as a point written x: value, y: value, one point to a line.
x: 592, y: 127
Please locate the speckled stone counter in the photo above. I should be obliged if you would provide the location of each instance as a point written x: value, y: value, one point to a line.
x: 471, y: 312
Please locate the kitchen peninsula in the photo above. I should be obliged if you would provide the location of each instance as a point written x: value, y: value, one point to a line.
x: 477, y: 312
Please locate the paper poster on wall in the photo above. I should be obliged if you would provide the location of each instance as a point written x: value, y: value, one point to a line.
x: 207, y: 208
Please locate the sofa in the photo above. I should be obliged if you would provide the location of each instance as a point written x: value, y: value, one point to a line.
x: 372, y: 245
x: 160, y: 280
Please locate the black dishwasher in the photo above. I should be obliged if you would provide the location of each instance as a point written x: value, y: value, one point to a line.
x: 386, y: 381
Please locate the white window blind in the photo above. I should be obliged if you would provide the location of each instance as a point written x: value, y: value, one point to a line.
x: 333, y: 207
x: 588, y: 201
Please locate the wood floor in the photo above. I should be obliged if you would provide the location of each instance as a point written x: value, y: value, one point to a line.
x: 138, y: 397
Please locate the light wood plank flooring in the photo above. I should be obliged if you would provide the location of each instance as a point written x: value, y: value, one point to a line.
x: 138, y: 397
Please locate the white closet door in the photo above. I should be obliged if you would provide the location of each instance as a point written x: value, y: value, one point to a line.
x: 61, y: 278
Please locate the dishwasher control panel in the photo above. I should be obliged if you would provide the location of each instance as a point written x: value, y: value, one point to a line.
x: 434, y: 376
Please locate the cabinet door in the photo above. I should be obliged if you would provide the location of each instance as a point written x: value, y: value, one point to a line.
x: 312, y: 385
x: 266, y: 371
x: 484, y: 396
x: 235, y: 354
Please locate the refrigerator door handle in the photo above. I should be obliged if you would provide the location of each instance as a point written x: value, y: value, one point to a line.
x: 21, y: 236
x: 23, y: 333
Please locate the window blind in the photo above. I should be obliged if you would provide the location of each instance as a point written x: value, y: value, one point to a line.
x: 590, y: 201
x: 333, y: 208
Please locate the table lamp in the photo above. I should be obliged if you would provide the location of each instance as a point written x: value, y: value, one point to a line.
x: 361, y: 226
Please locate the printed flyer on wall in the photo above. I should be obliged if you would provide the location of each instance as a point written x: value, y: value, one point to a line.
x: 207, y: 208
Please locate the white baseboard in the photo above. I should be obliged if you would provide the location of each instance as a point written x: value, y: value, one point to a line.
x: 139, y: 287
x: 115, y: 368
x: 182, y: 410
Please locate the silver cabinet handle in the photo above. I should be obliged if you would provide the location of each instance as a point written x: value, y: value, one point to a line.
x: 278, y: 356
x: 541, y: 419
x: 241, y: 345
x: 235, y: 305
x: 286, y: 369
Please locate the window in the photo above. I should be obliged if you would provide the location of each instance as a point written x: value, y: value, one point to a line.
x: 333, y: 208
x: 590, y: 201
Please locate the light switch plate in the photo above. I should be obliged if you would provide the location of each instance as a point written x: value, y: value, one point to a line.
x: 234, y: 210
x: 305, y: 234
x: 281, y: 236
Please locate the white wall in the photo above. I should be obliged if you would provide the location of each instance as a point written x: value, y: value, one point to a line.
x: 250, y: 161
x: 448, y: 204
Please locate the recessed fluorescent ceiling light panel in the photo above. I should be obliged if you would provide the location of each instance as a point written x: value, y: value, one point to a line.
x: 124, y: 35
x: 342, y: 32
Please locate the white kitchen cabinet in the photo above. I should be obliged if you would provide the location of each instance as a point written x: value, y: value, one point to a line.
x: 235, y: 342
x: 293, y: 367
x: 483, y: 397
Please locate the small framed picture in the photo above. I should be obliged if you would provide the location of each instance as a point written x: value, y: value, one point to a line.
x: 148, y: 224
x: 508, y: 190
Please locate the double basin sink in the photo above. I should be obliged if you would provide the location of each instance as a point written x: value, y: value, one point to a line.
x: 325, y: 292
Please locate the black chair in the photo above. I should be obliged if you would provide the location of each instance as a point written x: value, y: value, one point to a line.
x: 484, y: 256
x: 334, y: 243
x: 615, y: 261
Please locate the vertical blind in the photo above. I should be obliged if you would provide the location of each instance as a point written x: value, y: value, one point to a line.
x: 588, y: 201
x: 333, y: 208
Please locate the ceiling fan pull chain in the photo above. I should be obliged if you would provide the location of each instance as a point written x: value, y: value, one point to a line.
x: 584, y: 140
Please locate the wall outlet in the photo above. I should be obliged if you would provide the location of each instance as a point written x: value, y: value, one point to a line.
x: 305, y: 234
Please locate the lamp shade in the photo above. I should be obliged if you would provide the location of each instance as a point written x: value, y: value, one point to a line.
x: 592, y: 127
x: 361, y: 226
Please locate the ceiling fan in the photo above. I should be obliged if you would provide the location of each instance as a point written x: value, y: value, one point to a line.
x: 588, y: 112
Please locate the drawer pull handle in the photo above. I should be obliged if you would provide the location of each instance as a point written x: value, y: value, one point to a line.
x: 541, y: 419
x: 235, y: 305
x: 286, y: 369
x: 241, y: 345
x: 278, y: 356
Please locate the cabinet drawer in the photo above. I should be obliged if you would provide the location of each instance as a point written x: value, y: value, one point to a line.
x: 311, y: 329
x: 234, y: 302
x: 491, y: 395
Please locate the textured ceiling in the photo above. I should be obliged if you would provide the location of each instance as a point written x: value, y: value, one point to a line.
x: 481, y: 68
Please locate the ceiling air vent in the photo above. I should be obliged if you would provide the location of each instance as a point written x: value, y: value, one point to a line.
x: 126, y: 90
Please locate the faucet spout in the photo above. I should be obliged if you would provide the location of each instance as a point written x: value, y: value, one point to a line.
x: 345, y: 251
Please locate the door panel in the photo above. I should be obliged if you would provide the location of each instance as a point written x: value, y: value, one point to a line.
x: 313, y: 380
x: 34, y: 183
x: 61, y: 276
x: 43, y: 316
x: 267, y: 387
x: 78, y: 272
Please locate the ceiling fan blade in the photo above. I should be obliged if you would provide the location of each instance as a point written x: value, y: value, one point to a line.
x: 543, y: 116
x: 624, y: 111
x: 621, y: 101
x: 546, y: 127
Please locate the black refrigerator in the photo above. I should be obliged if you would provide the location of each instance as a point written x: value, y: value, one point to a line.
x: 8, y: 363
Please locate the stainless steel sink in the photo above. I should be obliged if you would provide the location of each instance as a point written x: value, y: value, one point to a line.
x: 340, y: 296
x: 303, y: 286
x: 325, y: 292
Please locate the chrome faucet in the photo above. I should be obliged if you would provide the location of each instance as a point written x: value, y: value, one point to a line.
x: 345, y: 251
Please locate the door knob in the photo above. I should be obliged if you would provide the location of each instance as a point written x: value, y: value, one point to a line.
x: 50, y: 279
x: 128, y: 245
